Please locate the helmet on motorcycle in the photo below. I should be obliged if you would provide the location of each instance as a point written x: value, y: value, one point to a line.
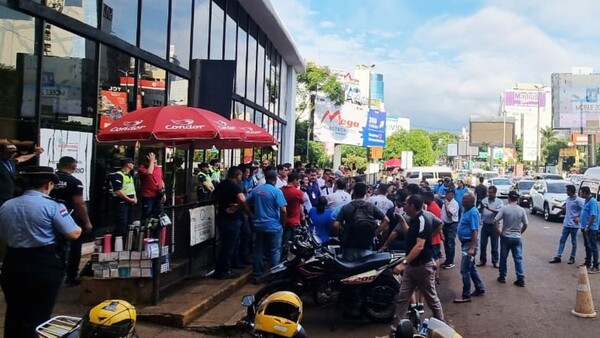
x: 111, y: 318
x: 280, y: 314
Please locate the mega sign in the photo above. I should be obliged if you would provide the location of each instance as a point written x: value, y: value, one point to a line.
x: 337, y: 116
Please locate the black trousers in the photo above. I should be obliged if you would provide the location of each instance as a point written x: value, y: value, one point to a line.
x: 74, y: 258
x: 30, y: 280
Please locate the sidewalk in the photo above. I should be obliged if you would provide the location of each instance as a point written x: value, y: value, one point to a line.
x: 177, y: 308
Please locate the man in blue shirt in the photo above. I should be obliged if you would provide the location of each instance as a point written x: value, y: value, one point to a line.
x: 467, y: 231
x: 270, y: 213
x: 589, y: 229
x: 572, y: 208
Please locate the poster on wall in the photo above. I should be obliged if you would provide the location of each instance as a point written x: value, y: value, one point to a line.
x: 76, y: 144
x: 112, y: 106
x: 202, y: 224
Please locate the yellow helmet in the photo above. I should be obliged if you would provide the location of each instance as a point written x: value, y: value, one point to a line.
x: 280, y: 314
x: 111, y: 318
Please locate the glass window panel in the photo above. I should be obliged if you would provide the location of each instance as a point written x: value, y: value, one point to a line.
x: 251, y: 72
x: 115, y: 85
x: 178, y: 91
x: 230, y: 29
x: 68, y: 63
x: 153, y: 37
x: 200, y: 44
x: 82, y: 10
x: 274, y: 95
x: 260, y: 70
x: 240, y: 73
x: 216, y: 31
x: 283, y: 91
x: 124, y: 19
x: 239, y: 110
x: 18, y: 71
x: 180, y: 33
x: 151, y: 86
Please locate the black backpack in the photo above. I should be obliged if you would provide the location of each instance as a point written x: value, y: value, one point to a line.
x: 359, y: 232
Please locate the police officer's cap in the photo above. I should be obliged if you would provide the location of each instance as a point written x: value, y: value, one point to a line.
x: 125, y: 160
x: 39, y: 172
x: 9, y: 148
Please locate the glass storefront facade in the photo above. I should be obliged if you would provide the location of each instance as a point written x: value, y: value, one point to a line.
x: 77, y: 65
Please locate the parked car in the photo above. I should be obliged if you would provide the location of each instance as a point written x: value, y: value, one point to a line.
x: 502, y: 184
x: 548, y: 194
x: 431, y: 174
x: 546, y: 176
x: 523, y: 187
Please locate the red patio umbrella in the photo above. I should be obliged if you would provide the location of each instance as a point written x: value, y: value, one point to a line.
x: 172, y: 124
x: 392, y: 162
x: 255, y: 136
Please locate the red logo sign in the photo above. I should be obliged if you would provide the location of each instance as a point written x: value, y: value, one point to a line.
x: 340, y: 121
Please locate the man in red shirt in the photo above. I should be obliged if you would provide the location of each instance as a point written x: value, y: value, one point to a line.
x: 294, y: 198
x: 436, y: 239
x: 152, y: 187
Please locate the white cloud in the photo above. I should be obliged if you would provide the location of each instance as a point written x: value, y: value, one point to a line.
x: 451, y: 67
x: 327, y: 24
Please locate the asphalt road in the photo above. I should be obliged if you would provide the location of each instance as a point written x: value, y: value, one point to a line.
x: 540, y: 309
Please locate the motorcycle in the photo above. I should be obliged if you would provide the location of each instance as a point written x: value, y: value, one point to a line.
x: 432, y: 327
x: 313, y: 268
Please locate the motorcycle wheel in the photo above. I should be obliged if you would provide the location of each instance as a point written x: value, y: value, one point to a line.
x: 281, y: 285
x: 378, y: 303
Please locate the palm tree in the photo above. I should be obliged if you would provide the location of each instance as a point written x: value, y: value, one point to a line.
x: 548, y: 136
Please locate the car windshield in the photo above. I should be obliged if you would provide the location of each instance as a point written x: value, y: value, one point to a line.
x: 525, y: 185
x: 557, y: 188
x: 501, y: 181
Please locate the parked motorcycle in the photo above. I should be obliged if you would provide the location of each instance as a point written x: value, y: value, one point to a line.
x: 432, y: 327
x: 312, y: 268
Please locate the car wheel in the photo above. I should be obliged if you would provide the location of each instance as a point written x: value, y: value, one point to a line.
x: 531, y: 208
x: 547, y: 215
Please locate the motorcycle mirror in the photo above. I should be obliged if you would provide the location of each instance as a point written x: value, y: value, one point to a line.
x: 247, y: 300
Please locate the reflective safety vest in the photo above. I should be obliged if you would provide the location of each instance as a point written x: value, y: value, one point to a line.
x: 207, y: 179
x: 128, y: 186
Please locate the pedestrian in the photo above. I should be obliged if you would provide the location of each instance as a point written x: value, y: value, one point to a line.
x: 480, y: 191
x: 69, y: 190
x: 312, y: 189
x: 214, y: 168
x: 468, y: 229
x: 231, y: 207
x: 450, y: 219
x: 460, y: 191
x: 294, y: 198
x: 356, y: 220
x: 35, y: 227
x: 571, y: 224
x: 395, y: 240
x: 589, y: 229
x: 282, y: 176
x: 380, y: 199
x: 418, y: 268
x: 8, y: 171
x: 320, y: 220
x: 152, y: 188
x: 514, y: 224
x: 269, y: 208
x: 339, y: 196
x: 437, y: 240
x: 205, y: 186
x: 489, y: 208
x: 124, y: 196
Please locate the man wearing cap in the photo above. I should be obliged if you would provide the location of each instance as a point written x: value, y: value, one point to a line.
x: 8, y: 169
x: 215, y: 171
x: 69, y: 190
x: 34, y: 226
x: 124, y: 196
x: 205, y: 185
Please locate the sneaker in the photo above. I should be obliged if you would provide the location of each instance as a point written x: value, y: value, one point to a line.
x: 420, y: 308
x: 411, y: 308
x: 520, y: 282
x: 571, y: 260
x: 496, y: 265
x: 501, y: 279
x: 555, y: 260
x: 462, y: 300
x: 448, y: 266
x: 593, y: 270
x: 477, y: 293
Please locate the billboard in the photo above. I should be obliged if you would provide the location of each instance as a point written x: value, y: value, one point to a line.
x: 350, y: 123
x: 524, y: 99
x: 576, y: 104
x: 489, y: 131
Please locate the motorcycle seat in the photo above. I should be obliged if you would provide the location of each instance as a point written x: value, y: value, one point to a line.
x: 363, y: 264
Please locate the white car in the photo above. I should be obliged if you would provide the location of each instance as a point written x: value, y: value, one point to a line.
x: 548, y: 194
x: 503, y: 185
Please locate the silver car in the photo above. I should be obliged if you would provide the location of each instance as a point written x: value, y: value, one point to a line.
x: 503, y: 185
x: 548, y: 196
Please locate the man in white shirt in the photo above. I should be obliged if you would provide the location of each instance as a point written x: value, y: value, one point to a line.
x: 380, y: 199
x: 282, y: 174
x: 339, y: 196
x: 450, y: 218
x: 259, y: 177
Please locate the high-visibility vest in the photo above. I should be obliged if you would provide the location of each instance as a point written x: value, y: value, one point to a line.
x: 128, y: 187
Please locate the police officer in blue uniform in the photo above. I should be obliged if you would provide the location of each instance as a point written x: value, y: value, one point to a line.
x: 124, y: 196
x: 35, y: 227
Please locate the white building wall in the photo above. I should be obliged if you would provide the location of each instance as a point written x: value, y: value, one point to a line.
x: 289, y: 131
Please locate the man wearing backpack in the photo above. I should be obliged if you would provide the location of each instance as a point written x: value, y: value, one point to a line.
x: 356, y: 221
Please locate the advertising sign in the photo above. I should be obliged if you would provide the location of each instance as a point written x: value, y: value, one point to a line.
x: 524, y: 98
x: 202, y: 224
x: 578, y: 105
x: 112, y: 106
x: 59, y: 143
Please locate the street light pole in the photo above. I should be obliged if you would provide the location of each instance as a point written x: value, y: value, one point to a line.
x: 537, y: 140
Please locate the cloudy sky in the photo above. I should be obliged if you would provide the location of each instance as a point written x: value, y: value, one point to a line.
x: 444, y: 60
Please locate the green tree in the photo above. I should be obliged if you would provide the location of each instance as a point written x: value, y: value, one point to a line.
x: 318, y: 154
x: 548, y: 137
x: 300, y: 140
x: 416, y: 140
x: 552, y: 150
x: 519, y: 150
x: 440, y: 142
x: 355, y: 163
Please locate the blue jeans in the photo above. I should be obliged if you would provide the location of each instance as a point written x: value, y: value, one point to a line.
x: 515, y: 246
x: 489, y: 231
x: 151, y: 207
x: 590, y: 240
x: 449, y: 242
x: 563, y: 239
x: 266, y: 242
x: 123, y: 218
x: 229, y: 230
x: 469, y: 272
